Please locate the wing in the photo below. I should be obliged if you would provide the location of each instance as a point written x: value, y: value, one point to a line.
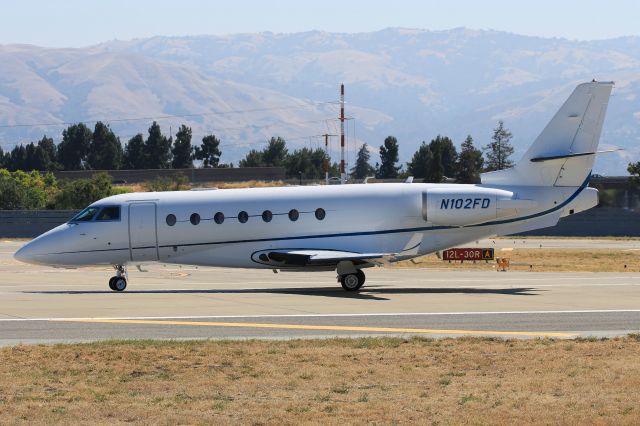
x: 323, y: 258
x: 298, y: 257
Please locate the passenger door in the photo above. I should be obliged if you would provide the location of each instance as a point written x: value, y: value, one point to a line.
x: 143, y: 237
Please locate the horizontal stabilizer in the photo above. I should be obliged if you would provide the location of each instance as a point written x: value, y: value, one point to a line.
x: 571, y: 155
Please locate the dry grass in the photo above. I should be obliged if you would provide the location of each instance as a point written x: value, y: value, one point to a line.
x: 544, y: 260
x: 352, y: 381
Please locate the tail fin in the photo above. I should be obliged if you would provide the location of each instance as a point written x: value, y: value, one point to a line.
x: 564, y: 153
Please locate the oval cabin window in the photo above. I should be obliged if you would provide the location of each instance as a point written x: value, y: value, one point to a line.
x: 243, y: 217
x: 320, y: 214
x: 171, y: 219
x: 293, y: 215
x: 195, y: 219
x: 218, y: 218
x: 267, y: 216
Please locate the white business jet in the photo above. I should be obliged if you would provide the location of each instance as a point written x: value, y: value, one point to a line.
x: 345, y: 228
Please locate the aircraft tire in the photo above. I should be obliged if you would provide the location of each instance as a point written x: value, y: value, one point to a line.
x: 111, y: 280
x: 119, y: 284
x: 352, y: 282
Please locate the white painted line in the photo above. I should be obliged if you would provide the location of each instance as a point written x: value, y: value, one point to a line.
x: 383, y: 314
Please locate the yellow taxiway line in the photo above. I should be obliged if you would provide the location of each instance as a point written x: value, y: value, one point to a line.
x: 321, y: 327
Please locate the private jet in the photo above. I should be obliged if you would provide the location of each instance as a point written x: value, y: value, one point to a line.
x: 342, y: 228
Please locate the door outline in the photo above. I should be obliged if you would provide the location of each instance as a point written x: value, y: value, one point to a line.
x: 155, y: 227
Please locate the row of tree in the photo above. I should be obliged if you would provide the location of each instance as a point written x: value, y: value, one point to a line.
x: 100, y: 149
x: 439, y: 159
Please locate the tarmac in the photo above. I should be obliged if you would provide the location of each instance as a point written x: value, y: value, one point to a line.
x: 48, y: 305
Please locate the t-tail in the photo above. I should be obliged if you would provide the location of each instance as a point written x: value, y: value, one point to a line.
x: 563, y: 154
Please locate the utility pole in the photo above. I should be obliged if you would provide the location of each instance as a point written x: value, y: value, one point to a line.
x: 343, y: 175
x: 326, y: 158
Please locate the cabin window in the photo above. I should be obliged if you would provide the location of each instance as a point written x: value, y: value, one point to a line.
x: 267, y: 215
x: 85, y: 215
x: 109, y: 213
x: 293, y: 215
x: 320, y: 214
x: 171, y: 219
x: 194, y: 219
x: 243, y: 217
x: 218, y: 218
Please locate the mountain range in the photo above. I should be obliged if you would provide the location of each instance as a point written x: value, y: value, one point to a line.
x: 410, y: 83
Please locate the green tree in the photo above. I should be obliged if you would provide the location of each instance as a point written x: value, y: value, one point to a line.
x: 499, y: 149
x: 252, y: 159
x: 41, y: 156
x: 469, y: 163
x: 105, y: 149
x: 420, y: 161
x: 72, y: 151
x: 363, y: 168
x: 388, y: 159
x: 274, y: 155
x: 17, y: 158
x: 157, y: 148
x: 306, y: 163
x: 182, y: 150
x: 445, y: 157
x: 134, y: 153
x: 209, y: 152
x: 634, y: 171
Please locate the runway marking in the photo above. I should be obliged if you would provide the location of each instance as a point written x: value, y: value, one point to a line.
x: 338, y: 315
x: 329, y: 327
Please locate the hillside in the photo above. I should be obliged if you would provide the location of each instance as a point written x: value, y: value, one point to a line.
x: 413, y: 84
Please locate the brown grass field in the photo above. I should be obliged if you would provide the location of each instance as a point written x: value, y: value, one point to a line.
x: 335, y: 381
x: 543, y: 260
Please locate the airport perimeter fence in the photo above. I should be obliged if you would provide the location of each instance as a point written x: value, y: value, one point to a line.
x: 598, y: 222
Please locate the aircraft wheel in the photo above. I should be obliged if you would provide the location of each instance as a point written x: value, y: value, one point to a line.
x: 111, y: 280
x: 119, y: 284
x: 352, y: 282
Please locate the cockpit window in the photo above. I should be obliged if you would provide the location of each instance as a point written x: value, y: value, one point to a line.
x: 109, y: 213
x: 85, y: 215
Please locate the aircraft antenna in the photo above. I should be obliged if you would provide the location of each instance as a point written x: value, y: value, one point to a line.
x: 326, y: 158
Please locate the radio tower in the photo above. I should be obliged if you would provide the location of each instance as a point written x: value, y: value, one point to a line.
x: 343, y: 175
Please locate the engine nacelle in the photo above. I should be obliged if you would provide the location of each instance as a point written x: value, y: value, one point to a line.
x: 448, y: 207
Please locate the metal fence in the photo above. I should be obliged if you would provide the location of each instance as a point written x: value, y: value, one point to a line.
x: 598, y: 222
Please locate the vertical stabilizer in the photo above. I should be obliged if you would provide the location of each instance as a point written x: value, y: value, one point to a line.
x: 563, y: 154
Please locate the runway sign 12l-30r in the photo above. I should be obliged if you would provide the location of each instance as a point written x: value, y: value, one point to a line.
x: 468, y: 254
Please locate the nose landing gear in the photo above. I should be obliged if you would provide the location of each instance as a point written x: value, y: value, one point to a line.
x: 119, y: 282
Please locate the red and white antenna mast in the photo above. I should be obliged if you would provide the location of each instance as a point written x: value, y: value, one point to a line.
x: 343, y: 175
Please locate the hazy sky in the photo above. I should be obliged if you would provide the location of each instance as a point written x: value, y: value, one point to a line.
x: 75, y: 23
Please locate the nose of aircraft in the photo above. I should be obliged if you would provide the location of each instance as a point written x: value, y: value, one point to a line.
x: 26, y: 253
x: 37, y: 250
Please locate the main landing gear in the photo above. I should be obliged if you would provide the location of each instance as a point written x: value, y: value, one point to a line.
x: 352, y: 281
x: 119, y: 282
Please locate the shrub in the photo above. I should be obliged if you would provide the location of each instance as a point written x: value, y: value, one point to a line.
x: 22, y: 190
x: 77, y: 194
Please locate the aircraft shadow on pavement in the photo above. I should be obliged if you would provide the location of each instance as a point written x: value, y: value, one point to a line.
x: 370, y: 293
